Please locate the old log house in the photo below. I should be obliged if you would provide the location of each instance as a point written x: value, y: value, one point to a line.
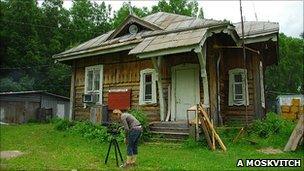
x: 171, y: 62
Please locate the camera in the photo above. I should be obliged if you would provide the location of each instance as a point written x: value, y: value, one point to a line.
x: 113, y: 128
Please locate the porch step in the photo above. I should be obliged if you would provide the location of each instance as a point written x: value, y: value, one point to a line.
x: 170, y: 124
x: 169, y: 130
x: 170, y: 135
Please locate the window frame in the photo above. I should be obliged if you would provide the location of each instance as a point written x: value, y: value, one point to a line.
x: 142, y: 100
x: 99, y: 92
x: 232, y: 101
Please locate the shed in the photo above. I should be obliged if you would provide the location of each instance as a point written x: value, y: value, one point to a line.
x: 22, y: 106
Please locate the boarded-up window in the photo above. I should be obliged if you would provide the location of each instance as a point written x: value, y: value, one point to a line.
x: 238, y: 92
x: 147, y: 93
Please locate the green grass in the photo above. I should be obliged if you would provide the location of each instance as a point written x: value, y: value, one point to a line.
x: 46, y: 148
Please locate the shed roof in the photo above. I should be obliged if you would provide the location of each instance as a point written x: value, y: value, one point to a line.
x: 169, y: 26
x: 33, y: 92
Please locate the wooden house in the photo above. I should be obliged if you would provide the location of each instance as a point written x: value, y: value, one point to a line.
x: 22, y: 106
x: 171, y: 62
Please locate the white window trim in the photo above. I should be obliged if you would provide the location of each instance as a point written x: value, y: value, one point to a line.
x: 262, y: 85
x: 141, y: 89
x: 243, y: 72
x: 90, y: 68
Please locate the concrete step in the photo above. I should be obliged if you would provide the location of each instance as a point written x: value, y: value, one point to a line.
x: 168, y: 129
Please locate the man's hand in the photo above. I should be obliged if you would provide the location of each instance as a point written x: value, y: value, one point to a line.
x: 126, y: 141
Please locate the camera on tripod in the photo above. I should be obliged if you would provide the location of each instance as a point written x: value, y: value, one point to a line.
x: 114, y: 129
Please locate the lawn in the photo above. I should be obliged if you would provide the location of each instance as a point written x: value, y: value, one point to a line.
x: 46, y: 148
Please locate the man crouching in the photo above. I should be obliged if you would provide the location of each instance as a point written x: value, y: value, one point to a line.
x: 133, y: 130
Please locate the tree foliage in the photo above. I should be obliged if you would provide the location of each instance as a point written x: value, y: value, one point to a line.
x: 287, y: 76
x: 31, y: 34
x: 183, y: 7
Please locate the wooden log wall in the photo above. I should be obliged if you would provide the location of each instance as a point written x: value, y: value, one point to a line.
x: 121, y: 71
x: 233, y: 58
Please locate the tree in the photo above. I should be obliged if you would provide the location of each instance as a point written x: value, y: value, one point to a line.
x: 287, y: 76
x: 124, y: 11
x: 182, y: 7
x: 101, y: 19
x: 82, y: 21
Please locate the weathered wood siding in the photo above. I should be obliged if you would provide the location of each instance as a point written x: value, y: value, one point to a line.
x: 122, y: 71
x: 234, y: 59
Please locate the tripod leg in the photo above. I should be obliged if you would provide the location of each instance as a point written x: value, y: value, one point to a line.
x: 115, y: 147
x: 108, y: 152
x: 119, y: 151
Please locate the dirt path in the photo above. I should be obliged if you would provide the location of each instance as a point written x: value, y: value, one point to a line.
x: 10, y: 154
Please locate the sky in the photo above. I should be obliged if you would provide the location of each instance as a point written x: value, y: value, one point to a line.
x: 289, y: 14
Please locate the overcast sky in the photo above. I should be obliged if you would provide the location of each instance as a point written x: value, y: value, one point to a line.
x: 289, y: 14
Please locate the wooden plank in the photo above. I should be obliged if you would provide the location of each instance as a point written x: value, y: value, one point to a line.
x: 169, y: 103
x: 72, y: 92
x: 296, y: 135
x: 217, y: 137
x: 156, y: 64
x: 206, y: 133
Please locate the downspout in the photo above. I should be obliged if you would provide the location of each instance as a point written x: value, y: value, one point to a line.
x: 220, y: 119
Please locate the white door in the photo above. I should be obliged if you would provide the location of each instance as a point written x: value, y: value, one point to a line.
x: 185, y: 90
x: 60, y: 110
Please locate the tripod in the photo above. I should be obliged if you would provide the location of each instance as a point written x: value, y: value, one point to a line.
x: 116, y: 147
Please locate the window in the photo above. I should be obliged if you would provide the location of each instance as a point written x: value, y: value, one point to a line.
x: 237, y: 90
x: 93, y: 82
x: 147, y: 92
x: 262, y: 85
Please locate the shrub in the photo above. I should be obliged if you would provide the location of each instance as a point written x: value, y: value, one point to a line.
x: 142, y: 118
x: 90, y: 131
x: 62, y: 124
x: 272, y: 124
x: 84, y: 129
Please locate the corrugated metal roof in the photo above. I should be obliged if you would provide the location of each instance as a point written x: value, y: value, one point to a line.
x: 255, y: 28
x: 169, y: 23
x: 34, y: 92
x: 171, y: 40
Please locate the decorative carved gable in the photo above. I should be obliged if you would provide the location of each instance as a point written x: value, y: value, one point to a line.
x: 135, y: 23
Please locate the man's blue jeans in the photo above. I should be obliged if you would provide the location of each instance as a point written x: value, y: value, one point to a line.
x: 133, y: 138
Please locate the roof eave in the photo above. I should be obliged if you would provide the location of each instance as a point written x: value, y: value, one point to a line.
x: 263, y: 37
x: 99, y: 51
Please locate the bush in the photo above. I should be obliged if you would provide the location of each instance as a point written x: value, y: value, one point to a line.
x: 272, y: 124
x: 90, y: 131
x: 62, y: 124
x: 142, y: 118
x: 85, y: 129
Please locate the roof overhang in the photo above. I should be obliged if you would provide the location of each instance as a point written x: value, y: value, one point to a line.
x: 182, y: 49
x: 99, y: 51
x: 264, y: 37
